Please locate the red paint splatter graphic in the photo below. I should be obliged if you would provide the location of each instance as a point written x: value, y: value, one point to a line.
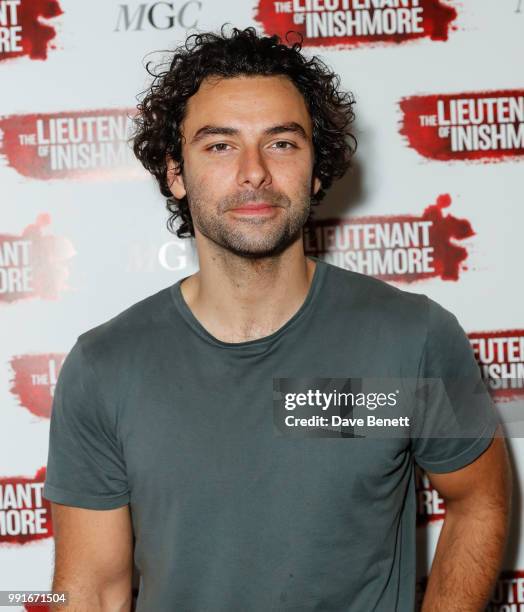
x: 430, y: 506
x: 353, y: 23
x: 25, y: 516
x: 500, y: 355
x: 90, y: 144
x: 508, y: 592
x: 22, y: 31
x: 33, y: 264
x: 448, y: 256
x: 402, y: 248
x: 34, y: 381
x: 485, y: 126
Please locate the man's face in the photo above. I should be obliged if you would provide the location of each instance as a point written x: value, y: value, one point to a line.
x: 248, y: 161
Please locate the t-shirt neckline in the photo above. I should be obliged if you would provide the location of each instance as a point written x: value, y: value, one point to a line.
x: 196, y: 326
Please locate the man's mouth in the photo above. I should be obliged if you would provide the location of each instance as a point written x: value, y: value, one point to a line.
x: 254, y: 208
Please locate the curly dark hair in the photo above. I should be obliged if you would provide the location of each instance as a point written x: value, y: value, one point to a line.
x: 242, y: 53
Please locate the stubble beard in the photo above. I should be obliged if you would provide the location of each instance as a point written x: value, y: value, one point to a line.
x: 235, y: 235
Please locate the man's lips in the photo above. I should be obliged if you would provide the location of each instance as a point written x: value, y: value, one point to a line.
x: 254, y: 207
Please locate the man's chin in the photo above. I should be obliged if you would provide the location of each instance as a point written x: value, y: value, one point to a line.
x: 249, y: 245
x: 254, y: 252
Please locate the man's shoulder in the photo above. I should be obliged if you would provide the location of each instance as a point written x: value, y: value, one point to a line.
x: 364, y: 291
x: 372, y: 301
x: 144, y: 319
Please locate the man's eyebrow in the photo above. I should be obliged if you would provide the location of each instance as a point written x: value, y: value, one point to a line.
x: 210, y: 130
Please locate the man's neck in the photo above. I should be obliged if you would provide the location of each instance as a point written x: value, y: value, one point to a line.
x: 238, y: 299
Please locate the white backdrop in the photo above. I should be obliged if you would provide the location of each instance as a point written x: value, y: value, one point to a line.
x: 82, y: 232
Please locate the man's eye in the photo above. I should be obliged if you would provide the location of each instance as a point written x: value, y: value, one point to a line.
x: 219, y: 146
x: 289, y: 145
x: 281, y: 144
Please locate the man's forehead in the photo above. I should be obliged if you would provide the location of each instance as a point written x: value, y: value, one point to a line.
x: 245, y: 81
x: 253, y: 102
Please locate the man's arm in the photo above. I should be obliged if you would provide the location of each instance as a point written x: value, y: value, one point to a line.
x: 471, y: 544
x: 93, y: 558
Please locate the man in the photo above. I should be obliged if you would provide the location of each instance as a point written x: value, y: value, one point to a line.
x: 163, y: 433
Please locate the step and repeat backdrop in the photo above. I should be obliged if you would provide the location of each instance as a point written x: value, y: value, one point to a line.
x: 433, y: 203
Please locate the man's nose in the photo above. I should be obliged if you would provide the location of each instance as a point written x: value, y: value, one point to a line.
x: 253, y: 169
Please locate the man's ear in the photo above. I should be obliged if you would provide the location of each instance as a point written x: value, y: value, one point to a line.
x: 317, y: 184
x: 175, y: 180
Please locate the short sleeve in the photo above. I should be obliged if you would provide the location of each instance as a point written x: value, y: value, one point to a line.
x: 455, y: 418
x: 85, y: 466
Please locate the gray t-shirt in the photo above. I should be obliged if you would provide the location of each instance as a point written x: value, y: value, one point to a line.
x: 153, y: 411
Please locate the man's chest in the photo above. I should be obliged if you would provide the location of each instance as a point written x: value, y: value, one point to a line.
x: 210, y: 436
